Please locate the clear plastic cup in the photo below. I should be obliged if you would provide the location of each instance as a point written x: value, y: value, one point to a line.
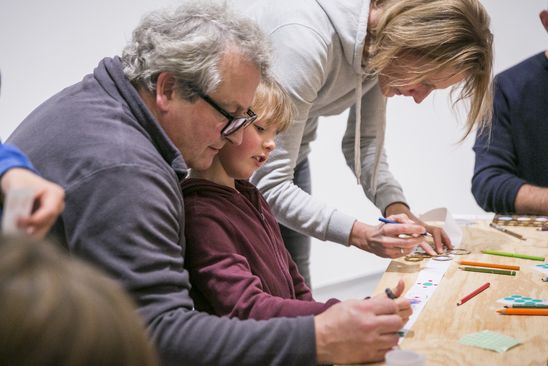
x: 401, y: 357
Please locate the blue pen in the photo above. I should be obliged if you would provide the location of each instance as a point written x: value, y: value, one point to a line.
x: 388, y: 221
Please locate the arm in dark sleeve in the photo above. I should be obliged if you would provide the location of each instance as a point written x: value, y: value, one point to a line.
x: 222, y: 274
x: 495, y: 182
x: 129, y: 221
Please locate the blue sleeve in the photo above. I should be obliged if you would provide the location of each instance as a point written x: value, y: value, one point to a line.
x: 495, y: 183
x: 12, y: 157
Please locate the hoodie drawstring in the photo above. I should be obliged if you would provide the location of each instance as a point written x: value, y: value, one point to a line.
x: 379, y: 139
x: 357, y: 132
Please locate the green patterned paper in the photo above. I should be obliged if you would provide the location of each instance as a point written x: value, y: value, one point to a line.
x: 489, y: 340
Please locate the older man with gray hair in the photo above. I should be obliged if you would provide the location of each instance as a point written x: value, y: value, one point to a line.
x: 121, y: 140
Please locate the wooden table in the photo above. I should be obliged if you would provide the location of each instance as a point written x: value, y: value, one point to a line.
x: 441, y: 324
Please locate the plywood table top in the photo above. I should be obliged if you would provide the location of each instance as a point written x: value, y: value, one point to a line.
x: 442, y: 323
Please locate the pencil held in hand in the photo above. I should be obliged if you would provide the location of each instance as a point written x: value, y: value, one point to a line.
x: 473, y: 293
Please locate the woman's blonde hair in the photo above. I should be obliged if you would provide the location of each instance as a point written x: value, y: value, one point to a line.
x: 272, y: 104
x: 441, y: 35
x: 59, y: 311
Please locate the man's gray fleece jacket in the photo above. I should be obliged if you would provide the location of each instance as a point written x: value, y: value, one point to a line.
x: 124, y: 213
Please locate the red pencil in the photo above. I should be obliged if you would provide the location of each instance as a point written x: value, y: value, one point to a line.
x: 474, y: 293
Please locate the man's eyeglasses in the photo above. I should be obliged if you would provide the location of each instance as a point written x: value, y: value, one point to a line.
x: 234, y: 122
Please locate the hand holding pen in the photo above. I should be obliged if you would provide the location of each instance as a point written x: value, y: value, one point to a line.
x: 387, y: 241
x: 441, y: 240
x: 404, y: 305
x: 399, y: 240
x: 427, y: 248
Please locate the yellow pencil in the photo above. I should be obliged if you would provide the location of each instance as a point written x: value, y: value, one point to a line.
x: 490, y: 265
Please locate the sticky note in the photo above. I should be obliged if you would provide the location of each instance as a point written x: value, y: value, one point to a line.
x: 489, y: 340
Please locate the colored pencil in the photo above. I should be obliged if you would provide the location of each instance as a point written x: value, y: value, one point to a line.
x: 388, y: 221
x: 523, y: 311
x: 514, y: 255
x: 521, y: 306
x: 473, y: 293
x: 489, y: 265
x: 489, y: 270
x: 506, y: 231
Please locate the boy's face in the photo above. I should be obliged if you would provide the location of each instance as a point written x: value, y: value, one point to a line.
x: 240, y: 161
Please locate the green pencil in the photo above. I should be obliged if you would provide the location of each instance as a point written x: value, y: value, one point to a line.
x: 489, y: 270
x: 520, y: 306
x: 515, y: 255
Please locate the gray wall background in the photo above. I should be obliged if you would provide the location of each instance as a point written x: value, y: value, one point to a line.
x: 46, y: 46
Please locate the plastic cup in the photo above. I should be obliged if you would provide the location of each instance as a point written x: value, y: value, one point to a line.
x: 401, y: 357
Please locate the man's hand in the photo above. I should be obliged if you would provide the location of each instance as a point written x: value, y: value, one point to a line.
x: 404, y: 306
x: 49, y: 198
x: 355, y: 331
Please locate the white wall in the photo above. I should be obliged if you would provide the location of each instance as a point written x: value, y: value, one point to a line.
x: 48, y: 45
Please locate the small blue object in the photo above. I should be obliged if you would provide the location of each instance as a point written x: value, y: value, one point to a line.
x: 545, y: 279
x: 387, y: 221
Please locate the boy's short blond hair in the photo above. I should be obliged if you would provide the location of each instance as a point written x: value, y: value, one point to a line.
x: 272, y: 104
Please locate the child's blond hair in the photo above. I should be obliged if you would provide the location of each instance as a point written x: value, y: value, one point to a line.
x: 272, y: 104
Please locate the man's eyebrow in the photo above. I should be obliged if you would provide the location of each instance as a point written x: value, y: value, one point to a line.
x: 239, y: 108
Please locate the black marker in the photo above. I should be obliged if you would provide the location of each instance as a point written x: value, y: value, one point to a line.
x: 390, y: 294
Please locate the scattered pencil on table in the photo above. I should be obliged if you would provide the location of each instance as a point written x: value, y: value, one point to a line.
x: 506, y: 231
x: 489, y: 265
x: 489, y: 270
x: 514, y: 311
x: 473, y: 293
x: 521, y: 306
x: 513, y: 255
x: 388, y: 221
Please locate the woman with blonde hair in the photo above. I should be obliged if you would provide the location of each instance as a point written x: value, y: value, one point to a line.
x: 334, y: 55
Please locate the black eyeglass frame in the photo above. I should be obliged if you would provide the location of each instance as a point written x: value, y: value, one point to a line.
x: 234, y: 122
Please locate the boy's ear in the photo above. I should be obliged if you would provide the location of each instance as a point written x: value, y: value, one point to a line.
x: 165, y: 90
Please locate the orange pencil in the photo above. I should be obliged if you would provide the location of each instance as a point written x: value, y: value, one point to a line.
x: 489, y: 265
x: 518, y: 311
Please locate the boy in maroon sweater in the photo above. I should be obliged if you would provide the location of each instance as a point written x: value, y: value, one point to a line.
x: 235, y: 255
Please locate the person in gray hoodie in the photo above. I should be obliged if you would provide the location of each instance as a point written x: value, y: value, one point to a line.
x: 334, y: 55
